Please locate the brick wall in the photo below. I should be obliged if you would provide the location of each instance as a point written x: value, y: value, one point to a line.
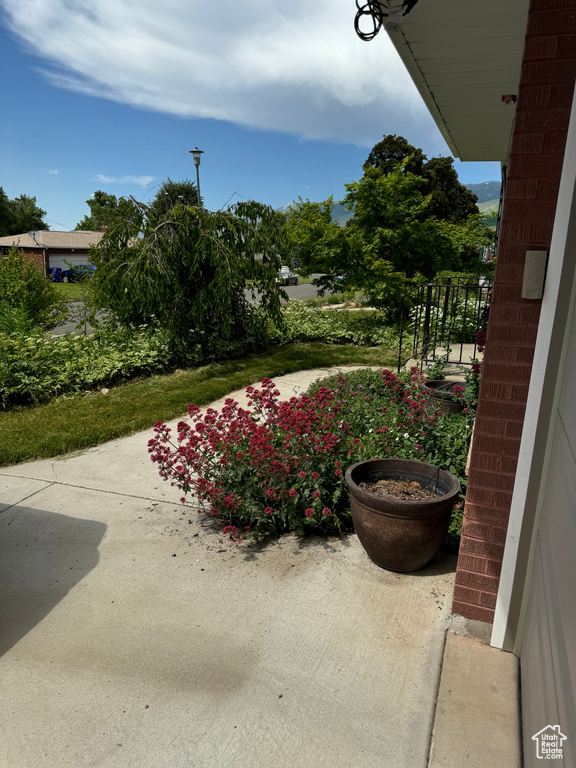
x: 536, y: 156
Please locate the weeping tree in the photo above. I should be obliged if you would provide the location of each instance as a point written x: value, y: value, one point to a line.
x: 189, y: 272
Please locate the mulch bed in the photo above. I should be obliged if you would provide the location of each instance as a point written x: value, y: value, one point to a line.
x: 403, y: 490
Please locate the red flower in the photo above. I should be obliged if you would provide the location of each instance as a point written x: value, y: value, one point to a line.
x: 309, y: 512
x: 326, y: 511
x: 292, y: 493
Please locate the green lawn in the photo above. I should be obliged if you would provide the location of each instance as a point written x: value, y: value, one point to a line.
x: 70, y: 291
x: 71, y: 423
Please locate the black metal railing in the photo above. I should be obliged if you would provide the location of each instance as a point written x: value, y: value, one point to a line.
x: 442, y: 319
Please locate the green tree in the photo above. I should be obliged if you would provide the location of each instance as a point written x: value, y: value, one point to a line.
x: 170, y: 194
x: 20, y: 214
x: 27, y: 299
x: 450, y: 201
x: 393, y: 150
x: 391, y: 242
x: 188, y: 272
x: 310, y: 231
x: 103, y: 210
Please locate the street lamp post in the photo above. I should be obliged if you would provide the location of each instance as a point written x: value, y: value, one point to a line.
x: 196, y: 157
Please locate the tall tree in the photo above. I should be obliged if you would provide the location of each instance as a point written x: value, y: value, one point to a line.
x: 450, y: 201
x: 170, y: 194
x: 103, y: 211
x: 189, y: 271
x: 20, y: 214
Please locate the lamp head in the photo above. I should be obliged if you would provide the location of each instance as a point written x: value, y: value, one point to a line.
x: 196, y: 155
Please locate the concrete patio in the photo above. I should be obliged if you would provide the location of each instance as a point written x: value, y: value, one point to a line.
x: 133, y: 634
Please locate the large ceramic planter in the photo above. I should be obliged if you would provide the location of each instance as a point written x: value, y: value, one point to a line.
x: 401, y: 535
x: 439, y: 395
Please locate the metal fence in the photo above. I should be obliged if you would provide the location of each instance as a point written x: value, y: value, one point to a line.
x: 441, y: 317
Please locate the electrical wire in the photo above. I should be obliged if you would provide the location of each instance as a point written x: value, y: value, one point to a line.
x: 380, y: 12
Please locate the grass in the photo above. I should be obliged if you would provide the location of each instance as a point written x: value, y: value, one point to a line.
x: 70, y: 291
x: 77, y: 422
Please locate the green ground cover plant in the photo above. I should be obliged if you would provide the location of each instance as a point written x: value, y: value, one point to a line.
x: 278, y: 467
x: 74, y: 422
x: 35, y: 367
x: 363, y: 327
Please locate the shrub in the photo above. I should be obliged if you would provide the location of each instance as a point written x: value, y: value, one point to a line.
x: 365, y: 328
x: 35, y: 367
x: 279, y: 466
x: 271, y: 468
x: 28, y: 300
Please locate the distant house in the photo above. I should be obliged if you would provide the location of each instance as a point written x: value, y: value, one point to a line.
x: 53, y: 249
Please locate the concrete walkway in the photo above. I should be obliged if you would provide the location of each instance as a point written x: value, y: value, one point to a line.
x: 133, y: 634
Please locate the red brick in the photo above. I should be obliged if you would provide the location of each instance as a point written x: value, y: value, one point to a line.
x: 502, y: 313
x: 481, y: 548
x: 566, y: 45
x: 513, y: 429
x: 502, y: 500
x: 561, y: 95
x: 530, y: 312
x: 513, y: 231
x: 528, y: 143
x: 541, y: 166
x: 471, y: 563
x: 534, y: 97
x: 540, y: 211
x: 493, y: 567
x: 511, y: 373
x: 507, y: 411
x: 491, y: 427
x: 541, y: 234
x: 467, y: 595
x: 477, y: 581
x: 486, y: 514
x: 495, y: 480
x: 545, y: 23
x: 498, y: 535
x: 523, y: 358
x: 541, y: 48
x: 544, y: 119
x: 522, y: 189
x: 479, y: 495
x: 548, y: 189
x: 515, y: 334
x: 488, y: 462
x: 509, y: 464
x: 488, y: 600
x: 554, y: 143
x: 476, y: 530
x: 472, y: 612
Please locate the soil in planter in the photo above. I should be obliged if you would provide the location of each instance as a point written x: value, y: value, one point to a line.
x: 403, y: 490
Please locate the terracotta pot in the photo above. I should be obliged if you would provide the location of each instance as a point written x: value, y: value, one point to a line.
x: 439, y: 394
x: 401, y: 535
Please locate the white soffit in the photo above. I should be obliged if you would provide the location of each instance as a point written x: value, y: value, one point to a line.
x: 463, y: 55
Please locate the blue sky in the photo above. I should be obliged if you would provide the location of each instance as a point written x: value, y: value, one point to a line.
x: 282, y: 97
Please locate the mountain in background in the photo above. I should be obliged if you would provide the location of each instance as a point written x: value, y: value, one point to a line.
x: 485, y: 191
x: 339, y: 213
x: 488, y: 193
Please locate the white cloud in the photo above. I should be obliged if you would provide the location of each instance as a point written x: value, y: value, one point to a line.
x: 142, y: 181
x: 294, y: 66
x: 53, y: 172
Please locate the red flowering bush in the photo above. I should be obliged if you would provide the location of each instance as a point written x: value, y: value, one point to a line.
x: 269, y: 468
x: 275, y: 467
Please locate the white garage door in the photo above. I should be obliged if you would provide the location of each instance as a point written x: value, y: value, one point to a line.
x: 60, y: 259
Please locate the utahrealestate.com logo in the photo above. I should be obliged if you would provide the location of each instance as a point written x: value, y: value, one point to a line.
x: 549, y: 743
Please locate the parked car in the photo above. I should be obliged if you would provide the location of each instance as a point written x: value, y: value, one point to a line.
x: 287, y: 277
x: 55, y: 273
x: 77, y: 274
